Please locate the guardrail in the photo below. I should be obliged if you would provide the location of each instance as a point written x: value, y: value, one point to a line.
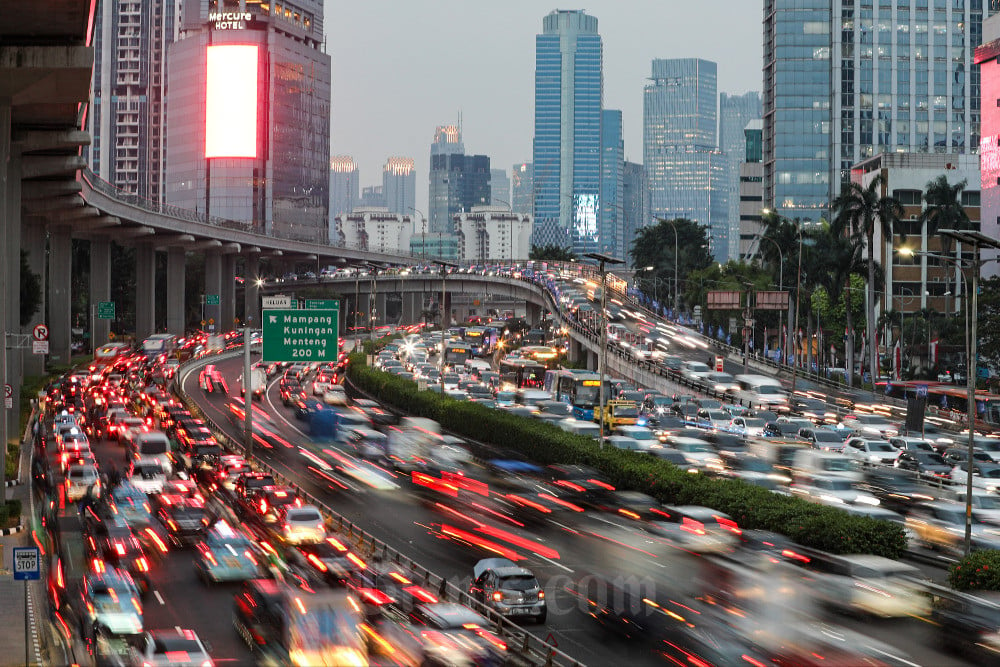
x: 529, y: 648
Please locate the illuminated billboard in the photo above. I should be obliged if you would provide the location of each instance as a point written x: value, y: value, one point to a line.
x: 231, y: 101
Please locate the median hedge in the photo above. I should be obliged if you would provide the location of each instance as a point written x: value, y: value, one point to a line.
x: 980, y: 571
x: 809, y: 524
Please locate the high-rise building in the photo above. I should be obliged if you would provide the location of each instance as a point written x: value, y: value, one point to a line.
x: 635, y: 205
x: 447, y: 139
x: 126, y: 119
x: 457, y: 183
x: 248, y: 116
x: 399, y: 185
x: 735, y: 111
x: 685, y: 171
x: 372, y: 196
x: 499, y: 188
x: 751, y: 191
x: 569, y: 91
x: 344, y: 186
x: 844, y: 81
x: 610, y: 223
x: 522, y: 188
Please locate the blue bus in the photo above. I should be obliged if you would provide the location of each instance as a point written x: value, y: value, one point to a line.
x: 482, y: 340
x: 580, y: 388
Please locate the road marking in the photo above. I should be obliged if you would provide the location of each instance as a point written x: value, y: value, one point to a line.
x: 158, y: 597
x: 555, y: 563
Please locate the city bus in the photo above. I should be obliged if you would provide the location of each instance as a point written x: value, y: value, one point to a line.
x: 518, y: 373
x: 456, y: 353
x: 579, y: 388
x: 543, y: 354
x: 109, y: 353
x: 948, y: 400
x: 482, y: 340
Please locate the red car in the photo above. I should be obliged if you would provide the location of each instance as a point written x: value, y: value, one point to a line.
x: 211, y: 380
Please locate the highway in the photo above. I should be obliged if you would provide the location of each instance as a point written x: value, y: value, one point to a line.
x: 559, y: 553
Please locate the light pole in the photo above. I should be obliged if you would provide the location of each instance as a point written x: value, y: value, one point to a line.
x: 673, y: 226
x: 781, y: 288
x: 798, y: 292
x: 444, y: 274
x: 423, y: 234
x: 602, y: 261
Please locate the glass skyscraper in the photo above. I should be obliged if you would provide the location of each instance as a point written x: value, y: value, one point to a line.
x: 399, y: 185
x: 635, y: 205
x: 685, y: 171
x: 344, y: 186
x: 846, y: 80
x: 458, y: 182
x: 610, y: 227
x: 735, y: 111
x: 569, y: 88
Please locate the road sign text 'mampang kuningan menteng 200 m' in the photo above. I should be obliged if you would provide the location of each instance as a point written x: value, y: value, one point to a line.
x: 300, y: 335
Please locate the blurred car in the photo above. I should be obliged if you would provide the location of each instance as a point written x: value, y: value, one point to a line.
x: 895, y: 490
x: 211, y: 380
x: 940, y: 525
x: 297, y: 525
x: 698, y: 453
x: 720, y: 383
x: 185, y: 519
x: 131, y: 504
x: 329, y: 561
x: 147, y: 475
x: 226, y: 554
x: 870, y: 452
x: 748, y: 427
x: 813, y: 409
x: 822, y: 438
x: 445, y: 633
x: 830, y: 490
x: 695, y: 528
x: 930, y: 464
x: 508, y: 588
x: 174, y: 647
x: 984, y: 475
x: 968, y: 623
x: 111, y: 600
x: 869, y: 425
x: 115, y: 543
x: 82, y: 479
x: 867, y: 584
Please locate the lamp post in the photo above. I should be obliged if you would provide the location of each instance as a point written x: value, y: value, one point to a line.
x: 798, y: 292
x: 673, y: 226
x: 602, y: 261
x: 423, y: 234
x: 444, y: 274
x: 781, y: 287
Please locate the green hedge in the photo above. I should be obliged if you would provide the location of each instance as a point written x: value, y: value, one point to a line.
x: 11, y: 509
x: 809, y: 524
x: 979, y: 572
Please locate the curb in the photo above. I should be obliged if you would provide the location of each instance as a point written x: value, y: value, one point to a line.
x: 11, y: 482
x: 12, y: 531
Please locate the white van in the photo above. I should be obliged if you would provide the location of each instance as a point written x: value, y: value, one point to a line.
x: 152, y: 445
x: 580, y: 427
x: 820, y: 462
x: 761, y: 391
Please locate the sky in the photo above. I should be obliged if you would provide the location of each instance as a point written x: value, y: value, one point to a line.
x: 403, y: 67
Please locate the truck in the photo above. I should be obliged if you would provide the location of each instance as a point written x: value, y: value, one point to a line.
x: 258, y: 381
x: 617, y: 413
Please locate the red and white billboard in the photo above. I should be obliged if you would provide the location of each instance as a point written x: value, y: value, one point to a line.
x: 231, y: 101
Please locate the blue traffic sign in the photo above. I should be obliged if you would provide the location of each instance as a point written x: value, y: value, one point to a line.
x: 27, y: 563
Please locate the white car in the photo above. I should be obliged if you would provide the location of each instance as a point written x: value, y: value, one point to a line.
x: 80, y: 478
x: 694, y: 371
x: 871, y: 452
x: 984, y: 475
x: 148, y: 475
x: 831, y: 490
x: 335, y: 395
x: 870, y: 584
x: 698, y: 453
x: 748, y: 427
x: 174, y: 647
x: 299, y: 525
x: 870, y: 426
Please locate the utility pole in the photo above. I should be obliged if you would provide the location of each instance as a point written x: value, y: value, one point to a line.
x: 602, y: 261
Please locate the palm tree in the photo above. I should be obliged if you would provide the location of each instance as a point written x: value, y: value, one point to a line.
x: 944, y: 211
x: 834, y: 260
x: 857, y: 210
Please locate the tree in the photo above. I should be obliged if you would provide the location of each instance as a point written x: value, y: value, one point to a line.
x: 552, y: 253
x: 857, y: 210
x: 989, y: 323
x: 654, y: 246
x: 31, y: 291
x: 944, y: 210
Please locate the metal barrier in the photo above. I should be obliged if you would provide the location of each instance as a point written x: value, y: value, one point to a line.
x: 527, y: 648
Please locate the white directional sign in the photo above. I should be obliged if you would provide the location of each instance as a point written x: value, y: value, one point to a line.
x: 279, y: 301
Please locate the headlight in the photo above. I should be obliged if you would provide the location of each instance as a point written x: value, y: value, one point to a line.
x: 867, y: 500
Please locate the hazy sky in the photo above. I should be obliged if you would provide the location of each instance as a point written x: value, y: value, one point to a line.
x: 403, y: 67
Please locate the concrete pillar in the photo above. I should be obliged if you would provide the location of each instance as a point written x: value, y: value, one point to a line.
x: 533, y: 313
x: 593, y: 362
x: 175, y: 290
x: 11, y: 282
x: 251, y: 292
x: 380, y: 312
x: 411, y: 308
x: 145, y: 291
x: 100, y: 287
x: 33, y: 238
x: 213, y: 286
x: 228, y: 294
x: 60, y: 299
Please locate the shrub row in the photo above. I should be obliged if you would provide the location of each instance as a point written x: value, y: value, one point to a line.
x: 12, y: 509
x: 809, y: 524
x: 979, y: 572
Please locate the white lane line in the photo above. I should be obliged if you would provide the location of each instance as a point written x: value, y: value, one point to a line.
x: 555, y: 563
x: 159, y: 598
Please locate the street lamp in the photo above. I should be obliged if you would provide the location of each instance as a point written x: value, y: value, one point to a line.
x: 423, y: 233
x: 781, y: 287
x: 444, y: 274
x: 673, y: 226
x: 602, y: 261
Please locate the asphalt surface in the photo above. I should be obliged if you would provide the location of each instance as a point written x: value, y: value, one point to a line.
x: 558, y: 554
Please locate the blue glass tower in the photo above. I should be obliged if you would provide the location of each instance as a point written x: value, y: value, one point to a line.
x: 610, y: 223
x: 569, y: 87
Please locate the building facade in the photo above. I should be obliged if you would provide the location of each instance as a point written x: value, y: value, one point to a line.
x: 569, y: 90
x: 751, y: 190
x: 372, y: 196
x: 276, y: 180
x: 522, y: 185
x: 610, y: 215
x: 457, y: 183
x: 735, y: 111
x: 844, y: 81
x: 344, y: 186
x: 499, y: 188
x: 373, y: 229
x: 492, y: 233
x: 635, y: 205
x: 127, y: 120
x: 685, y: 171
x: 399, y: 185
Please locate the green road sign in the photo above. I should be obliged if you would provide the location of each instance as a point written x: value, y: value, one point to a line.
x: 105, y: 310
x: 211, y: 299
x: 300, y: 335
x: 322, y: 304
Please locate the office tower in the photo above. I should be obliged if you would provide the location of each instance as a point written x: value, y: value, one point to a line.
x: 126, y: 119
x: 499, y: 188
x: 735, y: 111
x: 344, y: 186
x: 248, y: 116
x: 372, y: 196
x: 447, y: 139
x: 610, y: 228
x: 751, y: 190
x: 458, y: 182
x: 635, y: 205
x: 522, y: 185
x: 685, y: 171
x: 569, y: 90
x: 399, y: 185
x: 844, y: 81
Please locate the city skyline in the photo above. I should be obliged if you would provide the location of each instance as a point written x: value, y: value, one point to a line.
x: 492, y: 84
